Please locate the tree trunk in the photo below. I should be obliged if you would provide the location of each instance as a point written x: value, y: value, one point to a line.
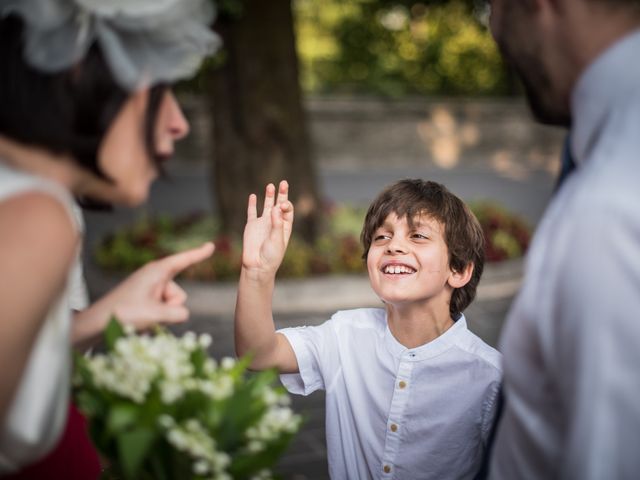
x: 259, y: 127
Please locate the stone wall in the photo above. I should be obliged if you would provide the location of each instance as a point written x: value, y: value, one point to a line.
x: 351, y: 133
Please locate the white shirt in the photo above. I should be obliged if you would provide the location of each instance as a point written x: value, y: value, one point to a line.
x: 393, y: 412
x: 572, y: 339
x: 37, y: 415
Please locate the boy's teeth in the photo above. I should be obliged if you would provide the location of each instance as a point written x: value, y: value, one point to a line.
x: 397, y: 269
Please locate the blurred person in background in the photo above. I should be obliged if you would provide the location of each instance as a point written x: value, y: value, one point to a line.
x: 87, y: 112
x: 571, y: 342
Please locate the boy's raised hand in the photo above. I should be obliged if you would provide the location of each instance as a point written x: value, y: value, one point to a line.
x: 266, y: 237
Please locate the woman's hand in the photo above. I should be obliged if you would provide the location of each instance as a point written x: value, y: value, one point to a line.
x: 149, y: 296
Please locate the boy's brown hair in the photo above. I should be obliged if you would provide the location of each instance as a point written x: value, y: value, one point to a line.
x: 462, y: 232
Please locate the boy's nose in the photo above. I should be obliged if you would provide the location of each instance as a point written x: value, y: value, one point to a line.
x: 396, y: 247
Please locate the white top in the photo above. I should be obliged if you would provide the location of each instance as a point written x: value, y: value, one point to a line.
x: 393, y: 412
x: 572, y: 339
x: 38, y: 412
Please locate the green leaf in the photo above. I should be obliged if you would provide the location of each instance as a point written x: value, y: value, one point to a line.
x: 133, y: 447
x: 112, y: 333
x: 88, y: 403
x: 198, y: 358
x: 121, y: 416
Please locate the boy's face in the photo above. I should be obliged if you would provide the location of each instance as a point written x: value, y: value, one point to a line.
x: 410, y: 264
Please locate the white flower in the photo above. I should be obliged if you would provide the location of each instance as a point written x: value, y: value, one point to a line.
x: 210, y: 366
x: 200, y: 467
x: 166, y: 421
x: 275, y: 422
x: 263, y: 475
x: 171, y: 391
x: 192, y: 438
x: 222, y: 387
x: 255, y: 446
x: 227, y: 363
x: 189, y: 341
x: 204, y: 340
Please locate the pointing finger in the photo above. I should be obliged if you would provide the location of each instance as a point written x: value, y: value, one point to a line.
x: 174, y: 264
x: 269, y: 198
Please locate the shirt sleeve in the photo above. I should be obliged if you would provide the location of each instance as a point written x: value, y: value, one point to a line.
x: 313, y: 347
x: 595, y: 345
x: 491, y: 409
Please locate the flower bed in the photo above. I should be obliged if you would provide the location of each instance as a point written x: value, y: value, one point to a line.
x: 337, y: 250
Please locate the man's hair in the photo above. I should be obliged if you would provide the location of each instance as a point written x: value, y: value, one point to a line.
x: 67, y: 112
x: 462, y: 232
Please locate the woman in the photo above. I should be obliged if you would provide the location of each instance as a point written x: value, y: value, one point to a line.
x: 87, y: 113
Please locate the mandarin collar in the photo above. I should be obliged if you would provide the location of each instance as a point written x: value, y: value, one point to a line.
x: 428, y: 350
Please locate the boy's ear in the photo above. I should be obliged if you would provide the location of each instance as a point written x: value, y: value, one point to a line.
x: 461, y: 278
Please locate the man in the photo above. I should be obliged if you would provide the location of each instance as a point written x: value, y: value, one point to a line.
x: 571, y: 343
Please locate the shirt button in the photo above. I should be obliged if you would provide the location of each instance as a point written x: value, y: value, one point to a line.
x: 402, y: 384
x: 394, y: 427
x: 386, y: 469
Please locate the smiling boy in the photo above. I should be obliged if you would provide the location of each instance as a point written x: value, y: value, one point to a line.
x: 410, y: 391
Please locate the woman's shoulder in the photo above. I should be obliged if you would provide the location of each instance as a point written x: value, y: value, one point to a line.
x: 39, y: 199
x: 37, y: 228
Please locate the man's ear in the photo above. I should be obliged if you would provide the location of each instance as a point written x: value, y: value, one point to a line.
x: 458, y: 279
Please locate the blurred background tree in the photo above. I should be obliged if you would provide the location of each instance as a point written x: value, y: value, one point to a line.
x: 277, y: 51
x: 259, y: 128
x: 399, y: 47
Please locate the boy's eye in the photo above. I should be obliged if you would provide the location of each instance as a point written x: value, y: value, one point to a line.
x: 380, y: 237
x: 419, y: 236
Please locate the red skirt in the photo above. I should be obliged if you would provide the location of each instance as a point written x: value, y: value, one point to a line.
x: 73, y: 458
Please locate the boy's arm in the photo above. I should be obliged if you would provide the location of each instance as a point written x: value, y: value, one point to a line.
x: 264, y: 245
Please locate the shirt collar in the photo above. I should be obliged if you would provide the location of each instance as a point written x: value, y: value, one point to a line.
x: 600, y: 90
x: 428, y: 350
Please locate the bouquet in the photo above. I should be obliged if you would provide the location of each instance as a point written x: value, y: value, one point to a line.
x: 159, y: 408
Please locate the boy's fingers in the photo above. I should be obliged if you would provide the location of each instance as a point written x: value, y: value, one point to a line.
x: 269, y: 198
x: 177, y: 262
x: 283, y: 192
x: 286, y: 207
x: 277, y: 225
x: 252, y: 213
x: 287, y: 211
x: 276, y: 218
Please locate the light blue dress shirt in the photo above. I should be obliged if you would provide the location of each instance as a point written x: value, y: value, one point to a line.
x: 572, y: 339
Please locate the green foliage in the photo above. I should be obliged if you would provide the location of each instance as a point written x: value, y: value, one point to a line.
x: 385, y: 47
x: 337, y: 250
x: 397, y: 47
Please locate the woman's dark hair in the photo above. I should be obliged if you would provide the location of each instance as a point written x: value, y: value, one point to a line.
x: 462, y: 232
x: 67, y: 112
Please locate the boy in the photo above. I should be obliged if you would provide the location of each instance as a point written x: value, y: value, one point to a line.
x: 410, y: 392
